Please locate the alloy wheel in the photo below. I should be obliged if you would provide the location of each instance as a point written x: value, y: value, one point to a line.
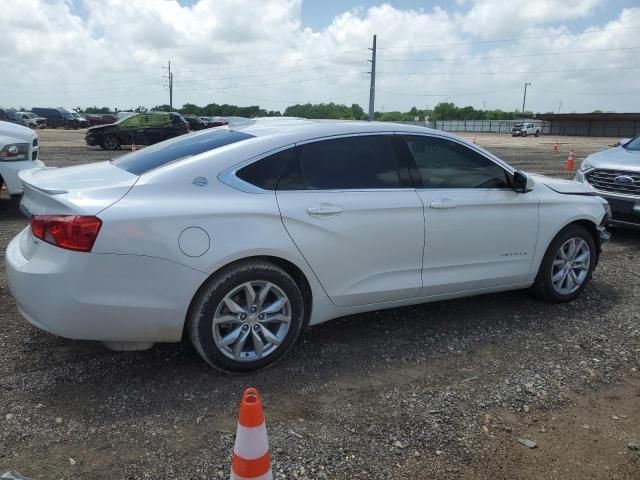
x: 570, y: 266
x: 251, y: 321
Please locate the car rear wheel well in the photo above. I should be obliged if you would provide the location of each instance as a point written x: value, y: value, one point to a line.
x: 295, y: 273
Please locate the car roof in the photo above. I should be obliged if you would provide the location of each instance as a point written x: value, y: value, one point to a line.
x: 299, y: 129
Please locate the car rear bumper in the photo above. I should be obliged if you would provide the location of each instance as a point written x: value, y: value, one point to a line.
x: 106, y: 297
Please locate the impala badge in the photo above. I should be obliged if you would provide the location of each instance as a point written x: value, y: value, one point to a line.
x: 200, y: 181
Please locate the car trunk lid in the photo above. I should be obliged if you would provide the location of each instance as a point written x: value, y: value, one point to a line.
x: 80, y: 190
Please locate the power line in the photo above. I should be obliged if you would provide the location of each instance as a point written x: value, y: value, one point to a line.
x: 436, y: 59
x: 514, y: 39
x: 425, y: 73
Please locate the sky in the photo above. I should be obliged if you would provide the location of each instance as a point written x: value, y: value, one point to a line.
x: 578, y: 55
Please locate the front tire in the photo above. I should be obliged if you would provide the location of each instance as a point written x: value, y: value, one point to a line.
x: 537, y: 133
x: 110, y: 142
x: 246, y: 317
x: 567, y: 266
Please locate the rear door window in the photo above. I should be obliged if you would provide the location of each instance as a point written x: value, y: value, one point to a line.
x: 163, y: 153
x: 351, y: 163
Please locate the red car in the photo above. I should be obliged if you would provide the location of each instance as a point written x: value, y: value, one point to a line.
x: 101, y: 119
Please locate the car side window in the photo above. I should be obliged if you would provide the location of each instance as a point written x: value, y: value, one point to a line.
x: 265, y: 173
x: 350, y: 163
x: 447, y: 164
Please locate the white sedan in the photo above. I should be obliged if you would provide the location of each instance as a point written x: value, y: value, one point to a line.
x: 240, y: 237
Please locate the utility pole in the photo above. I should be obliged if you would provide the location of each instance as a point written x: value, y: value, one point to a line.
x: 524, y: 99
x: 169, y: 78
x: 372, y: 90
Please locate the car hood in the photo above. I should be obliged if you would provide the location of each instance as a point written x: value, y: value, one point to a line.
x: 616, y: 158
x: 100, y: 127
x: 13, y: 133
x: 567, y: 187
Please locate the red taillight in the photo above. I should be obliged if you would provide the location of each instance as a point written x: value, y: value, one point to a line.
x: 185, y: 126
x: 72, y: 232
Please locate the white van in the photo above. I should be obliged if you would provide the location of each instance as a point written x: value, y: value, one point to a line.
x: 18, y: 151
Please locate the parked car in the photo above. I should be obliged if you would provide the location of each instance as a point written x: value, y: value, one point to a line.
x: 240, y: 237
x: 11, y: 115
x: 524, y: 129
x: 61, y: 117
x: 614, y: 174
x: 100, y: 119
x: 138, y: 129
x: 195, y: 123
x: 32, y: 120
x: 18, y: 151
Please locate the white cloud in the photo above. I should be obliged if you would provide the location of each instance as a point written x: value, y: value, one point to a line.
x: 258, y: 52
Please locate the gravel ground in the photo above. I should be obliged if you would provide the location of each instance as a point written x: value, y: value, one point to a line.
x: 444, y: 390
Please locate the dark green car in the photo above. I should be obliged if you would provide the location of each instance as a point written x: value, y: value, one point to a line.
x: 138, y: 129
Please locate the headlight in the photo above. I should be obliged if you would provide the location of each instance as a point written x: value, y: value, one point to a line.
x: 585, y: 166
x: 14, y: 152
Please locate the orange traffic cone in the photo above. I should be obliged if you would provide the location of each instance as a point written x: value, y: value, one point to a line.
x: 555, y: 147
x: 569, y: 165
x: 251, y: 459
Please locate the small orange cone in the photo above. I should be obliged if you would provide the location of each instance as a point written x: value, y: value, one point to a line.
x: 555, y: 147
x: 569, y: 165
x: 133, y: 147
x: 251, y: 458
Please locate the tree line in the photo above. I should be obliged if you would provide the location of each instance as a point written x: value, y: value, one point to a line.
x: 442, y: 111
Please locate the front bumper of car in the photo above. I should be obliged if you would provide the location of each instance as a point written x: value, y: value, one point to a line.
x: 625, y: 209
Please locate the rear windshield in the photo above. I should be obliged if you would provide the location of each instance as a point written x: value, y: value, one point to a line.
x: 169, y: 151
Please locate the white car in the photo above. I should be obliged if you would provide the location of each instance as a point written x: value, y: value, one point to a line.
x: 18, y: 151
x: 241, y: 237
x: 524, y: 129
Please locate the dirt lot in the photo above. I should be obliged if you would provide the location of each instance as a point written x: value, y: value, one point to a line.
x: 435, y: 391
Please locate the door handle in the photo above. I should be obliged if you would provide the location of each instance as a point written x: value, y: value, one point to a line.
x: 443, y: 203
x: 326, y: 211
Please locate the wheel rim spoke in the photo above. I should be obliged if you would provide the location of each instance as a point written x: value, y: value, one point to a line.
x: 276, y: 318
x: 262, y: 296
x: 233, y: 306
x: 250, y: 295
x: 258, y: 344
x: 268, y: 336
x: 275, y: 306
x: 231, y: 337
x: 239, y: 345
x: 226, y: 319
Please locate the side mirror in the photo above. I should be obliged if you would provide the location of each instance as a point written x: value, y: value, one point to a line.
x: 522, y: 183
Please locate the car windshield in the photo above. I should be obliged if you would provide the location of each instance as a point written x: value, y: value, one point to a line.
x: 68, y: 116
x: 633, y: 145
x: 170, y: 151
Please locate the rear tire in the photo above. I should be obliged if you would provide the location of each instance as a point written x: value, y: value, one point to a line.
x: 246, y: 317
x: 537, y: 133
x: 572, y: 271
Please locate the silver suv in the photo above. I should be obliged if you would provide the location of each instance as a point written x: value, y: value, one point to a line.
x: 615, y: 175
